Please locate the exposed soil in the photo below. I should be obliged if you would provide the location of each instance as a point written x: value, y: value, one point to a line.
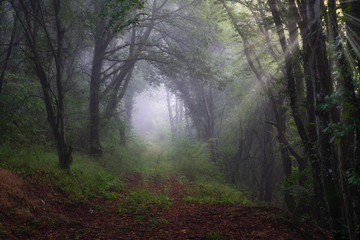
x: 31, y: 209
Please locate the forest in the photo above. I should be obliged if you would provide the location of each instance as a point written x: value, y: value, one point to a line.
x: 180, y: 119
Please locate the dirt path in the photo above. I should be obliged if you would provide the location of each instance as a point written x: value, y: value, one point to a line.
x: 141, y: 214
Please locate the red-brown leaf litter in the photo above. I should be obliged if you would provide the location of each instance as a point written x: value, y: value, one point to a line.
x: 31, y: 209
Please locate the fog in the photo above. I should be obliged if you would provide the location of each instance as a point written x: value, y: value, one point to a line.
x: 150, y: 118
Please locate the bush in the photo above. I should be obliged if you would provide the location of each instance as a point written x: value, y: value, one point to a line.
x: 303, y: 193
x: 22, y: 121
x: 156, y: 164
x: 121, y: 160
x: 192, y: 160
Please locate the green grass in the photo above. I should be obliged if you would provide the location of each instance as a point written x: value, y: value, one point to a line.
x: 183, y: 157
x: 212, y: 193
x: 120, y: 160
x: 213, y: 236
x: 155, y: 163
x: 99, y: 177
x: 143, y: 201
x: 88, y: 178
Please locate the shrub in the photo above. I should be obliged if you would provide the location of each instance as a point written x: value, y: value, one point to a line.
x: 192, y: 160
x: 120, y: 160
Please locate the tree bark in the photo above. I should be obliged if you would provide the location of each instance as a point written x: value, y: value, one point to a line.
x: 280, y: 121
x: 32, y: 21
x: 101, y: 43
x: 347, y: 148
x: 323, y: 88
x: 291, y: 85
x: 171, y: 119
x: 8, y: 52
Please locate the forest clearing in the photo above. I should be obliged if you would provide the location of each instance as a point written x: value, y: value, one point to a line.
x: 180, y: 119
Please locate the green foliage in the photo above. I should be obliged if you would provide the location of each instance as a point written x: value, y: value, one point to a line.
x: 353, y: 177
x: 120, y: 160
x: 340, y: 99
x: 21, y: 112
x: 158, y: 221
x: 226, y: 152
x: 2, y: 230
x: 88, y: 177
x: 118, y: 13
x: 156, y: 164
x: 212, y: 193
x: 213, y: 236
x: 192, y: 160
x: 300, y: 186
x: 142, y: 201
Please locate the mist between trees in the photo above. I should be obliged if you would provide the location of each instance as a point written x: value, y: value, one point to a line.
x: 262, y: 94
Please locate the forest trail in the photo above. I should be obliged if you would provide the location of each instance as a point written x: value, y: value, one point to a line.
x: 151, y: 208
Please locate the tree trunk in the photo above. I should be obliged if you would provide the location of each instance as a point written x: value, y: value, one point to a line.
x: 291, y: 85
x: 171, y: 119
x: 101, y: 43
x: 208, y: 104
x: 8, y: 52
x: 54, y: 107
x: 125, y: 124
x: 181, y: 117
x: 323, y: 88
x: 280, y: 122
x: 122, y: 133
x: 347, y: 152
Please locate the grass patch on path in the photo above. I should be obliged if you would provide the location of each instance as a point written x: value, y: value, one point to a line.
x: 143, y: 201
x: 214, y: 193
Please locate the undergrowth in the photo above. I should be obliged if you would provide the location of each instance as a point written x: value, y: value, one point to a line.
x: 192, y: 160
x: 143, y: 201
x: 212, y: 193
x: 122, y: 160
x: 187, y: 159
x: 88, y: 177
x: 183, y: 157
